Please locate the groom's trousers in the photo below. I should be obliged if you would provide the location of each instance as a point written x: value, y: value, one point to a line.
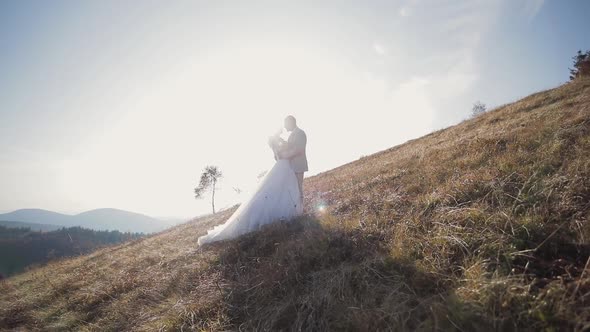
x: 300, y: 181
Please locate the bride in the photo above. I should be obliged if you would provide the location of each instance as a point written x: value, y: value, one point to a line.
x: 277, y: 198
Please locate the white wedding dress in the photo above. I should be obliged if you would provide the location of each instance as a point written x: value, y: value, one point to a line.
x: 276, y: 198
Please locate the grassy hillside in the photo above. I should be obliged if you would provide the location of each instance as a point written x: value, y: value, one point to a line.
x: 481, y: 226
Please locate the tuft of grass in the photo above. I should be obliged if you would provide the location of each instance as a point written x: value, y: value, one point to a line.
x: 480, y: 226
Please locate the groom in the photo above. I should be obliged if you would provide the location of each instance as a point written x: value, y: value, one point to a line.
x: 295, y: 151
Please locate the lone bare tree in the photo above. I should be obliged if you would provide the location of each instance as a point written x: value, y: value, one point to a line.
x: 209, y: 179
x: 478, y: 108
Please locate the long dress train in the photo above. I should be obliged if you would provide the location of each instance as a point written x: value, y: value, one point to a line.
x: 276, y: 198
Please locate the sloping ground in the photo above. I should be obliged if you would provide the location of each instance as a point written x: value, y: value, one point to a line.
x: 481, y: 226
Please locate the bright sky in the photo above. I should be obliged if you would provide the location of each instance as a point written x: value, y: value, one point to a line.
x: 122, y: 103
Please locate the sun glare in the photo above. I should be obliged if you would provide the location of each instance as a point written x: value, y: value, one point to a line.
x: 219, y: 109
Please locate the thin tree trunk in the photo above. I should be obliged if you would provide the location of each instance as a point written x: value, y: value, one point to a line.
x: 213, y: 197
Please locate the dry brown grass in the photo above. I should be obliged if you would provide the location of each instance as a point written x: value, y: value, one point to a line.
x: 481, y: 226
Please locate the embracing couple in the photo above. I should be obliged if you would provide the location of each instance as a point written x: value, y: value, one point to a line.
x: 279, y: 195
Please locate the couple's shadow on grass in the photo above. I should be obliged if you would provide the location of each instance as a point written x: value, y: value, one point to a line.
x: 301, y: 275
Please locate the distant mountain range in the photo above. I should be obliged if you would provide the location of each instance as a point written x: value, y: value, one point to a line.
x: 99, y: 219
